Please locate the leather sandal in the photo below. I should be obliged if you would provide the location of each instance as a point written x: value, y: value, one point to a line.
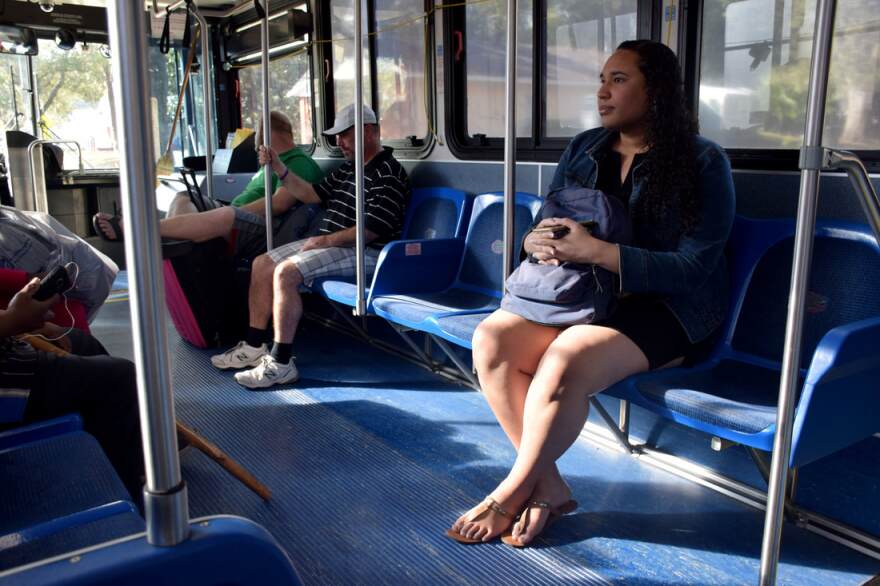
x: 525, y: 518
x: 487, y: 506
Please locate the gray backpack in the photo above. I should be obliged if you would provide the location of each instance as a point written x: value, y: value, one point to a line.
x: 570, y: 293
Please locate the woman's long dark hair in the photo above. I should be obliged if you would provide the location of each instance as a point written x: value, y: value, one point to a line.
x: 671, y: 127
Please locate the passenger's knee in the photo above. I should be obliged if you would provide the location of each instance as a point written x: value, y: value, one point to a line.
x: 488, y: 346
x: 263, y: 267
x: 287, y: 274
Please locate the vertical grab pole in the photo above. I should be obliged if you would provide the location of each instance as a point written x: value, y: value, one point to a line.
x: 510, y: 142
x: 811, y: 163
x: 267, y: 121
x: 208, y: 97
x: 360, y: 305
x: 165, y: 493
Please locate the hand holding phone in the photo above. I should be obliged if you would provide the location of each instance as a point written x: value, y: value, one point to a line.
x: 57, y: 281
x: 557, y: 231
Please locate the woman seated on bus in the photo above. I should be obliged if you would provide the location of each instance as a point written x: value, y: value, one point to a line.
x: 673, y: 285
x: 247, y: 212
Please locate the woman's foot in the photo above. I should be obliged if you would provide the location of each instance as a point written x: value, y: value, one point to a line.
x: 108, y: 227
x: 490, y: 518
x: 551, y: 498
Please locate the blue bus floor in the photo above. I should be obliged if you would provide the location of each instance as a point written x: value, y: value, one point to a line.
x: 371, y: 458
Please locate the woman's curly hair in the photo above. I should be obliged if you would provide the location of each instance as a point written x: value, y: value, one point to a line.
x: 671, y: 128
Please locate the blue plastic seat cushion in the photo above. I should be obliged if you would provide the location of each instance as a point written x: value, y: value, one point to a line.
x: 731, y: 395
x: 70, y: 539
x: 461, y: 327
x: 341, y: 290
x: 54, y: 478
x: 417, y: 308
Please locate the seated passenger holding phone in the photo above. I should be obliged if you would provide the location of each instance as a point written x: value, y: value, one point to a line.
x: 672, y: 280
x: 82, y: 379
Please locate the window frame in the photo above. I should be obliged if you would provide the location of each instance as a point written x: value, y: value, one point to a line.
x: 324, y: 29
x: 538, y: 147
x: 759, y: 159
x: 233, y: 80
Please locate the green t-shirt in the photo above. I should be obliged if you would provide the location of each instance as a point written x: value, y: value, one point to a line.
x: 296, y: 160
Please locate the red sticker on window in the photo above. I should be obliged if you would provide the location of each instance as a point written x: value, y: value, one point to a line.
x: 413, y: 249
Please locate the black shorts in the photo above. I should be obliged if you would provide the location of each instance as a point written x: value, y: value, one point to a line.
x: 652, y: 327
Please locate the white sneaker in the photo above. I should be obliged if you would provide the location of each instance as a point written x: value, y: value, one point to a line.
x: 240, y: 356
x: 267, y: 373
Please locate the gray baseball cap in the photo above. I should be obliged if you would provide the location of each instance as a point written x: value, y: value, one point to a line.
x: 345, y: 120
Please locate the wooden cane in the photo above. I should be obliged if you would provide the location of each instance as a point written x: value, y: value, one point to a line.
x: 197, y: 441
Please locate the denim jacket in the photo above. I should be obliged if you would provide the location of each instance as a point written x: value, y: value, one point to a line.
x: 689, y: 273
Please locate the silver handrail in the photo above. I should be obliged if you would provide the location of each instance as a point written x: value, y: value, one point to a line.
x: 267, y: 124
x: 858, y: 175
x: 38, y: 180
x: 360, y: 304
x: 803, y: 252
x: 208, y: 97
x: 165, y: 499
x: 510, y: 142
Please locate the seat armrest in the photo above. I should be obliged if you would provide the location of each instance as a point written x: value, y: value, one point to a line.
x: 417, y: 266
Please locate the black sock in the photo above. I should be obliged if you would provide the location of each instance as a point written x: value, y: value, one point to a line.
x: 282, y: 352
x: 256, y: 337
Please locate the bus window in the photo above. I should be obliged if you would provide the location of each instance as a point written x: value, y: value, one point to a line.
x: 755, y: 71
x: 580, y: 37
x: 400, y: 50
x: 75, y: 100
x: 485, y: 53
x: 15, y: 103
x: 342, y: 30
x: 165, y: 75
x: 290, y: 92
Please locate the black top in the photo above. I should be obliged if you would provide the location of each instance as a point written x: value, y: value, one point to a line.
x: 386, y: 195
x: 608, y: 180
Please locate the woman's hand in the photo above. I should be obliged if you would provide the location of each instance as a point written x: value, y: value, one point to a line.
x: 56, y: 334
x: 26, y: 314
x: 267, y: 155
x: 577, y: 246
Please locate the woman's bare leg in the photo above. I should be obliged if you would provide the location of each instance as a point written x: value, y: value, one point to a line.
x: 581, y: 362
x: 578, y: 363
x: 507, y: 350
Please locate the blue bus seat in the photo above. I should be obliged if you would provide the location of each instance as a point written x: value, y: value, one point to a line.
x: 733, y: 394
x: 446, y: 284
x: 220, y: 550
x: 433, y: 213
x: 54, y: 485
x: 457, y: 327
x: 40, y: 430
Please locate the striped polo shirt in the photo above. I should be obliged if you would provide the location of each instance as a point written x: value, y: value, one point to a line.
x: 386, y: 194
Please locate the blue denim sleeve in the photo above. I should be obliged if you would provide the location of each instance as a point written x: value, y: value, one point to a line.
x: 698, y: 253
x: 559, y: 176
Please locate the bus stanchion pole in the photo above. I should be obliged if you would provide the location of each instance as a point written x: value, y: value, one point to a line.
x: 811, y: 163
x: 267, y: 118
x: 208, y: 97
x: 510, y: 142
x: 165, y: 501
x: 360, y: 305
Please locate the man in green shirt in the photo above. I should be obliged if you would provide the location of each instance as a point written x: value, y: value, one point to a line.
x: 246, y: 216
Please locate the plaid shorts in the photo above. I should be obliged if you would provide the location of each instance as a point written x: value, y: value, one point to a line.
x: 323, y: 262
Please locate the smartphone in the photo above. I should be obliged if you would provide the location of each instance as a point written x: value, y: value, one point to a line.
x: 57, y: 281
x: 559, y: 231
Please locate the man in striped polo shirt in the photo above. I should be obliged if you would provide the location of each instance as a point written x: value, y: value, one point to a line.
x: 277, y: 275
